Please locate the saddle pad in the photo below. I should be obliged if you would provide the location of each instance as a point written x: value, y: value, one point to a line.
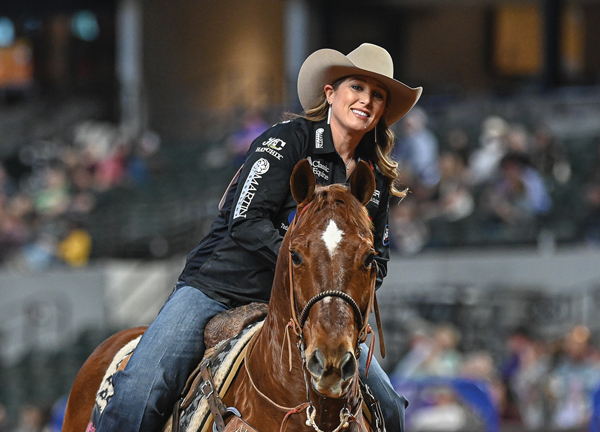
x: 106, y: 390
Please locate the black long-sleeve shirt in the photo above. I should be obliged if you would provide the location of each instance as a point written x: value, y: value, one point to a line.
x: 235, y: 262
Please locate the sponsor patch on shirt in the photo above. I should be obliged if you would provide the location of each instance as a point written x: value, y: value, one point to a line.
x: 291, y: 216
x: 319, y: 138
x: 272, y: 146
x: 376, y: 197
x: 320, y: 170
x: 259, y: 168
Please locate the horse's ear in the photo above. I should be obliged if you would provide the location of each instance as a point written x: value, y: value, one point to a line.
x: 362, y: 183
x: 302, y: 181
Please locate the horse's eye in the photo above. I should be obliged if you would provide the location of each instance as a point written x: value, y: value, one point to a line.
x: 296, y: 258
x: 369, y: 259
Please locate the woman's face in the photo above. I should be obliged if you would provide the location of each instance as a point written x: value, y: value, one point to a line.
x: 357, y: 104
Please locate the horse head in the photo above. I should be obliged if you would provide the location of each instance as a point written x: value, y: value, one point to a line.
x: 331, y: 275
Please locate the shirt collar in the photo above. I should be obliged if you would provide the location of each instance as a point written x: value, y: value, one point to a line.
x: 323, y: 142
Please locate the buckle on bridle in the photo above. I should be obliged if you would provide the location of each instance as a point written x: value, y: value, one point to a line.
x: 203, y: 387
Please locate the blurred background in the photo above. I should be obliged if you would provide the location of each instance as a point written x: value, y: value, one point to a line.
x: 122, y: 122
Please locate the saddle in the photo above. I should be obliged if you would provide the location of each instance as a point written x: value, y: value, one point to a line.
x: 219, y: 336
x: 231, y: 322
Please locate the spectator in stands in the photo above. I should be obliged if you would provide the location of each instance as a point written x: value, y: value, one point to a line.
x: 433, y: 357
x: 408, y: 232
x: 573, y: 380
x: 484, y: 161
x: 417, y: 149
x: 548, y: 155
x: 524, y: 373
x: 452, y: 199
x: 31, y: 419
x: 51, y: 194
x: 239, y: 142
x: 457, y: 141
x: 518, y: 194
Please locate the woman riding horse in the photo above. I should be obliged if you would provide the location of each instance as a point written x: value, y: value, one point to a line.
x: 350, y: 102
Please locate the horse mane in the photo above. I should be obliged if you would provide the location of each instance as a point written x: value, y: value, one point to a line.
x: 347, y: 206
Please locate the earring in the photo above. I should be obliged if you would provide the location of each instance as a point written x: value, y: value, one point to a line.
x: 329, y: 114
x: 375, y: 133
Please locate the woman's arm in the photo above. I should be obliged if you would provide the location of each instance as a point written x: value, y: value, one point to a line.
x: 263, y: 187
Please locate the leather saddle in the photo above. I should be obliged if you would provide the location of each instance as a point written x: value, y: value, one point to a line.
x: 228, y: 324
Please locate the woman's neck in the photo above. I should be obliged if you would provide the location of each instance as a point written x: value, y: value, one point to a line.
x: 345, y: 143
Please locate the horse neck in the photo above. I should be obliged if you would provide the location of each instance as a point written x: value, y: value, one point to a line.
x: 270, y: 357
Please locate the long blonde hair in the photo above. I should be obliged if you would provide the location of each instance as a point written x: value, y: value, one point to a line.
x: 383, y: 147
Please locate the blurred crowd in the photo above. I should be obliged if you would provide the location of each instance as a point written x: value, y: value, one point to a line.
x: 491, y: 186
x: 34, y: 418
x: 49, y: 189
x: 501, y: 181
x: 535, y: 384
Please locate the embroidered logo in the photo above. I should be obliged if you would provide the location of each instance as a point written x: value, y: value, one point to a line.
x: 320, y: 170
x: 376, y: 196
x: 274, y: 143
x: 272, y: 146
x: 319, y: 138
x: 259, y: 168
x: 386, y: 235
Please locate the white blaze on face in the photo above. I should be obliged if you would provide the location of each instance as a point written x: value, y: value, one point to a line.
x: 332, y: 236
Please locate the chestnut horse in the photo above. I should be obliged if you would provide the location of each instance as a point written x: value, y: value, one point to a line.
x: 322, y: 294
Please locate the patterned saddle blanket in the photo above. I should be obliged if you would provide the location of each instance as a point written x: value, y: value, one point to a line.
x: 225, y: 360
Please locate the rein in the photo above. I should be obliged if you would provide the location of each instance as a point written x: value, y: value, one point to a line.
x: 345, y: 415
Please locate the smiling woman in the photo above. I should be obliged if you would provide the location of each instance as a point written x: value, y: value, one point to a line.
x: 356, y: 105
x: 350, y: 102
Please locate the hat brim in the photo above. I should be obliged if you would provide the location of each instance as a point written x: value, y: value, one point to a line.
x: 325, y: 66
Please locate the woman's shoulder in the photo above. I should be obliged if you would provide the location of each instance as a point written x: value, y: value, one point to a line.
x: 295, y: 124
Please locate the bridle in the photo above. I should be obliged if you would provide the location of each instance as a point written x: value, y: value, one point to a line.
x: 297, y: 325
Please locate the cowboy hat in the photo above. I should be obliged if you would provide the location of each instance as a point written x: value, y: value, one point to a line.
x: 325, y: 66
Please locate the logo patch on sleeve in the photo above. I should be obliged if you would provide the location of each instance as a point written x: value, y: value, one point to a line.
x: 259, y: 168
x: 386, y: 235
x: 272, y: 146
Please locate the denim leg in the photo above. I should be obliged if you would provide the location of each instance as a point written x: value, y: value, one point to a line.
x: 169, y: 350
x: 393, y: 405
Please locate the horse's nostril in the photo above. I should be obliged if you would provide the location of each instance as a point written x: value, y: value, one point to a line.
x: 348, y: 366
x: 316, y: 364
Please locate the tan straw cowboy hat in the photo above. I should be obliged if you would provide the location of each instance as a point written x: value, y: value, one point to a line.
x: 325, y: 66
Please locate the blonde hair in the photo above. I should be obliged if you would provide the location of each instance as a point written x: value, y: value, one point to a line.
x: 383, y: 147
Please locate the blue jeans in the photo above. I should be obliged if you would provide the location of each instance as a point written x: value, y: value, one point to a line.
x: 393, y: 405
x: 170, y: 349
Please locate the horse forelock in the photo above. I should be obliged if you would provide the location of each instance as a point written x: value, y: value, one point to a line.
x: 337, y: 203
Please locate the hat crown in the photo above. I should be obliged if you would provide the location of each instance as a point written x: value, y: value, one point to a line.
x: 373, y: 58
